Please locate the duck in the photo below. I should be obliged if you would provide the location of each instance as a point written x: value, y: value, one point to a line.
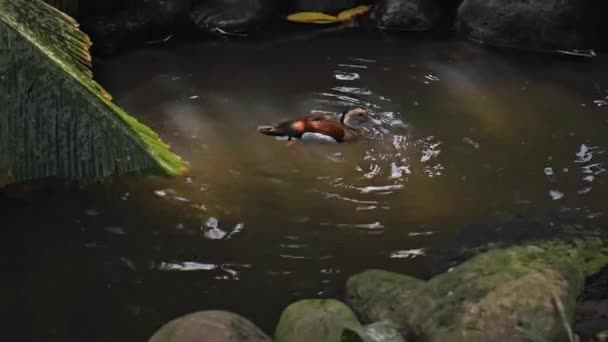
x: 348, y: 126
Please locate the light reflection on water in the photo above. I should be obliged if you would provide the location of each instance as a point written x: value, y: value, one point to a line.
x: 465, y: 134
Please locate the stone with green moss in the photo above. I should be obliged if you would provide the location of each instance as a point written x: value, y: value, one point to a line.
x: 322, y: 320
x: 513, y: 294
x: 377, y: 295
x: 210, y: 326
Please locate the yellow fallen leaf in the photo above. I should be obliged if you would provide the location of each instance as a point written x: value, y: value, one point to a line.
x: 312, y: 18
x: 353, y: 12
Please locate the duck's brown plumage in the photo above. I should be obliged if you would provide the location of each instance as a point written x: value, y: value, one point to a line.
x: 329, y: 125
x: 311, y: 123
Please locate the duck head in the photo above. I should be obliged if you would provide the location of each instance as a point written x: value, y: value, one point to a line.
x: 357, y: 118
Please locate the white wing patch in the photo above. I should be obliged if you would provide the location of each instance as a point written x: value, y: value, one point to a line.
x: 317, y: 137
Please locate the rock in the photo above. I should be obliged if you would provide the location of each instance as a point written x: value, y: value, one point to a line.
x: 325, y: 6
x: 535, y: 24
x: 233, y: 16
x: 316, y: 320
x: 144, y: 20
x: 375, y: 294
x: 482, y: 299
x: 602, y: 336
x: 500, y: 295
x: 211, y: 326
x: 414, y: 15
x: 103, y: 7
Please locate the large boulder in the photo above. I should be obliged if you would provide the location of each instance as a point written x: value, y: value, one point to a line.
x: 99, y: 7
x: 378, y: 295
x: 210, y: 326
x: 316, y: 320
x: 405, y: 15
x: 501, y: 295
x: 141, y: 21
x: 325, y: 6
x: 233, y: 16
x: 535, y: 24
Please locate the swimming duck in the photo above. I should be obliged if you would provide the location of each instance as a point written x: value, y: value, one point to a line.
x: 348, y: 126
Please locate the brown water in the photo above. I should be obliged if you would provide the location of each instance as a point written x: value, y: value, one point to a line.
x: 468, y: 135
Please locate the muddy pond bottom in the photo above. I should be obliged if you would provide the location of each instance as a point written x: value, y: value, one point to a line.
x: 473, y: 144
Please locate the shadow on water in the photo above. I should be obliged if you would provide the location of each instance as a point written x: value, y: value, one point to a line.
x: 470, y: 140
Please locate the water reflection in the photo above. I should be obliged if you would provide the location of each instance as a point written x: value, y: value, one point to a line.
x: 463, y: 135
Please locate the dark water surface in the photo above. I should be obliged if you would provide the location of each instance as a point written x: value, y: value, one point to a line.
x: 468, y: 134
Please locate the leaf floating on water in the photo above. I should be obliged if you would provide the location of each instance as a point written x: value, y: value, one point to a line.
x: 408, y: 254
x: 350, y: 14
x: 313, y: 18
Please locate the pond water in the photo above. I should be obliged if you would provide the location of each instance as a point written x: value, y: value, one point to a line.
x: 468, y: 134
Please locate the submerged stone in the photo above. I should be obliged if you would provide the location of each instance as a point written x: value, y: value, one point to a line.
x: 323, y: 320
x: 232, y: 16
x: 407, y: 15
x: 511, y: 294
x: 210, y: 326
x: 539, y: 24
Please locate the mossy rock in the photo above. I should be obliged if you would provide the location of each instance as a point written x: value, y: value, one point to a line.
x: 322, y: 320
x: 501, y: 295
x: 378, y: 295
x: 210, y: 326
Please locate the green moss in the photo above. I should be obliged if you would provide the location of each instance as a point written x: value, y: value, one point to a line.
x: 323, y: 320
x: 590, y: 254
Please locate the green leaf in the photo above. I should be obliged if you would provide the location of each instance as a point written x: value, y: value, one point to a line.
x: 55, y: 120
